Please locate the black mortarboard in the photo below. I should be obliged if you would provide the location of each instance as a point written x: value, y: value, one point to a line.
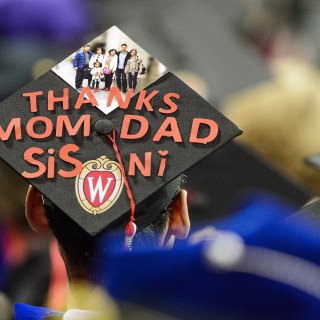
x: 86, y: 156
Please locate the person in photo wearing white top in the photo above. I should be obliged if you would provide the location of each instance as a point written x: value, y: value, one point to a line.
x: 98, y: 56
x: 96, y: 75
x: 110, y: 68
x: 123, y: 57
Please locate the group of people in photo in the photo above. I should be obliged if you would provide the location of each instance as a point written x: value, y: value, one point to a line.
x: 100, y: 67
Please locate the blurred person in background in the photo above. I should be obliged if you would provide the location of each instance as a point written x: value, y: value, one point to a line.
x: 281, y: 117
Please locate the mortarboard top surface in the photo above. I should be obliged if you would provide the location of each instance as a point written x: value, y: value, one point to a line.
x: 95, y: 196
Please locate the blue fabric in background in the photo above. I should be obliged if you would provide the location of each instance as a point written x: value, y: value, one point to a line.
x: 64, y: 19
x: 182, y: 282
x: 26, y: 312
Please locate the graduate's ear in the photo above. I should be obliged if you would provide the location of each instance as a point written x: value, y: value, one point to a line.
x: 179, y: 223
x: 35, y: 211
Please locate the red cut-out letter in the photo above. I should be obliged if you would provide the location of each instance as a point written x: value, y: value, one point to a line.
x: 64, y: 155
x: 163, y: 161
x: 144, y: 127
x: 64, y: 99
x: 64, y: 121
x: 195, y: 130
x: 134, y: 162
x: 173, y: 106
x: 145, y: 100
x: 14, y: 123
x: 115, y: 93
x: 28, y: 157
x: 173, y: 132
x: 50, y: 167
x: 45, y: 134
x: 33, y: 99
x: 81, y: 100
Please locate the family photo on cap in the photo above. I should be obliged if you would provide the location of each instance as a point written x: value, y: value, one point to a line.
x: 98, y: 68
x: 111, y: 60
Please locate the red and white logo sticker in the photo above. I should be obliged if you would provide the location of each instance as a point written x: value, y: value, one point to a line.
x: 99, y: 185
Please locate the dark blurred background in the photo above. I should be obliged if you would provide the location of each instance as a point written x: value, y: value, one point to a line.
x: 257, y: 61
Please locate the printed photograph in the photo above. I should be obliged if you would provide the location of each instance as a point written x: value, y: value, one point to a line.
x: 111, y: 59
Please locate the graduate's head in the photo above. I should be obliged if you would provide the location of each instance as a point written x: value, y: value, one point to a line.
x: 80, y: 250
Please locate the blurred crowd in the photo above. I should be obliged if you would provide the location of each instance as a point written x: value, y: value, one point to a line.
x: 257, y: 61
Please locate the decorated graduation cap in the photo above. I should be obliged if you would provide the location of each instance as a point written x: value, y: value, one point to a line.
x: 105, y: 169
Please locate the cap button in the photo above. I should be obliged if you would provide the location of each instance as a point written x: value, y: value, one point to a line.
x: 103, y: 126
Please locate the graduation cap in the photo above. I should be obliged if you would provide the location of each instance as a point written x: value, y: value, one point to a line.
x: 106, y: 170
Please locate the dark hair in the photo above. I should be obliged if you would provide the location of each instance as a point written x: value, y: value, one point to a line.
x: 124, y: 44
x: 134, y: 50
x: 99, y: 48
x: 80, y: 248
x: 112, y: 50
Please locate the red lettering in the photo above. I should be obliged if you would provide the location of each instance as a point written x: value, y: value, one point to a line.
x: 64, y: 155
x: 81, y: 99
x: 15, y: 124
x: 115, y: 93
x: 134, y: 162
x: 33, y: 99
x: 64, y: 99
x: 173, y: 130
x: 64, y: 122
x: 195, y: 130
x: 28, y: 157
x: 144, y: 127
x: 143, y: 100
x: 172, y: 105
x: 45, y: 134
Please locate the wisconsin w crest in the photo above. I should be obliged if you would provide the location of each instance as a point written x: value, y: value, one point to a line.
x: 99, y: 185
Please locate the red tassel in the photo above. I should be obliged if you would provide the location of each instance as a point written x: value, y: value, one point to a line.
x: 131, y: 227
x: 129, y: 231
